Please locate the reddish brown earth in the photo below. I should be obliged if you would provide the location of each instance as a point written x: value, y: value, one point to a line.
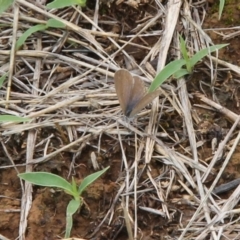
x: 47, y: 215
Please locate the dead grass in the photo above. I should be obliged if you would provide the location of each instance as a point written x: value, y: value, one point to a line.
x: 63, y: 80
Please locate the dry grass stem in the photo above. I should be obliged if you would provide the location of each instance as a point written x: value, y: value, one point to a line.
x: 166, y: 162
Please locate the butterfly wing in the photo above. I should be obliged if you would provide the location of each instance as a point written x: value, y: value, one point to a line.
x: 137, y: 93
x: 148, y: 98
x: 124, y: 82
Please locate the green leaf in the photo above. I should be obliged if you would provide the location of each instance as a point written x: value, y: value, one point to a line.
x: 74, y: 189
x: 72, y: 207
x: 65, y: 3
x: 183, y: 49
x: 180, y: 73
x: 90, y: 179
x: 204, y: 52
x: 221, y: 6
x: 184, y: 52
x: 2, y: 79
x: 47, y: 180
x: 55, y: 23
x: 28, y: 33
x: 10, y: 118
x: 167, y: 71
x: 5, y: 4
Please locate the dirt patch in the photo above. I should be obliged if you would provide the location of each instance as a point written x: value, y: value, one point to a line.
x: 10, y: 203
x: 103, y: 216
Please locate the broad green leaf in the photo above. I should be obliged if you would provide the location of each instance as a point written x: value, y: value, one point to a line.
x: 11, y: 118
x: 3, y: 78
x: 65, y: 3
x: 204, y: 52
x: 221, y: 6
x: 55, y: 23
x: 47, y: 180
x: 28, y: 33
x: 180, y: 73
x: 72, y: 207
x: 5, y: 4
x: 167, y: 71
x: 90, y: 179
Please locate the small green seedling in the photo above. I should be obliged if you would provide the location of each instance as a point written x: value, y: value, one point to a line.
x: 39, y: 27
x: 191, y: 62
x: 182, y: 67
x: 51, y: 22
x: 66, y: 3
x: 10, y: 118
x: 52, y: 180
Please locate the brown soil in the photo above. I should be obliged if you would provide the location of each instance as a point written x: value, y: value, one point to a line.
x: 46, y: 219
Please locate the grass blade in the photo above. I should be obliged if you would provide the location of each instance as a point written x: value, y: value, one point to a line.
x: 183, y: 49
x: 47, y: 180
x: 168, y: 71
x: 72, y: 207
x: 90, y: 179
x: 10, y: 118
x: 2, y: 79
x: 5, y: 4
x: 28, y: 33
x: 221, y: 6
x: 55, y: 23
x: 180, y: 73
x: 65, y: 3
x: 204, y: 52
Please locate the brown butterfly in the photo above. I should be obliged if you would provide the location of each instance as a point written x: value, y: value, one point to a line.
x: 131, y: 93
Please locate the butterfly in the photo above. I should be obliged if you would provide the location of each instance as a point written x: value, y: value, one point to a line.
x: 131, y: 93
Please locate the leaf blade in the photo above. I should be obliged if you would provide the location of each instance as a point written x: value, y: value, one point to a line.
x: 47, y: 180
x: 72, y: 207
x: 61, y: 4
x: 11, y: 118
x: 90, y: 179
x: 54, y: 23
x: 5, y: 4
x: 167, y: 71
x: 28, y: 33
x: 182, y: 72
x: 204, y: 52
x: 2, y: 79
x: 221, y: 6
